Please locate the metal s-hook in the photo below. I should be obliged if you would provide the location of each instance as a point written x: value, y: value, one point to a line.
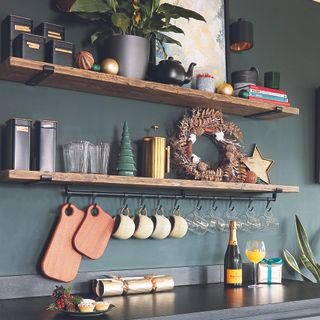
x: 268, y: 205
x: 176, y: 203
x: 158, y: 202
x: 250, y: 205
x: 142, y: 198
x: 125, y: 198
x: 93, y: 201
x: 214, y: 207
x: 198, y: 207
x: 231, y: 206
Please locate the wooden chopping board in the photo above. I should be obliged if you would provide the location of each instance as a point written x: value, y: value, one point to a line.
x: 61, y: 261
x: 93, y: 236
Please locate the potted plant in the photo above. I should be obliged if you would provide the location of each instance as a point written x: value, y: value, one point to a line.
x: 127, y: 27
x: 306, y: 255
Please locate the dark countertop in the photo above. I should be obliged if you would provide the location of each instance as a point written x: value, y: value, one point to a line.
x: 291, y: 299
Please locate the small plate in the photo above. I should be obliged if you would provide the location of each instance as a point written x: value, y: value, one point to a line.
x: 87, y: 314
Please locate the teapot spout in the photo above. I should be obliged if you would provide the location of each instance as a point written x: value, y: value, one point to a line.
x: 189, y: 73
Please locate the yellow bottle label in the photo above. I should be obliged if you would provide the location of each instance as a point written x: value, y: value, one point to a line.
x: 234, y: 276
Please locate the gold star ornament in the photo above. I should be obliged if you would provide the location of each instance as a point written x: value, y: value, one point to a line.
x: 259, y: 165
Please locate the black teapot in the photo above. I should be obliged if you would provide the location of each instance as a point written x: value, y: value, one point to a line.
x: 171, y: 72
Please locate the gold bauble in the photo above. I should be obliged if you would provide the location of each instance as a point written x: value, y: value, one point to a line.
x: 225, y: 88
x: 110, y: 66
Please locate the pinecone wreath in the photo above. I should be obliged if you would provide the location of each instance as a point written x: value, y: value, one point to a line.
x: 225, y: 135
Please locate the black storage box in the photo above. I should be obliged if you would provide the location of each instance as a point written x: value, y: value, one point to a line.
x: 29, y: 46
x: 11, y: 27
x: 18, y: 139
x: 45, y: 145
x: 50, y: 31
x: 60, y: 52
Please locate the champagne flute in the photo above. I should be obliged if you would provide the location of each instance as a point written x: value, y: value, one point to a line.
x: 255, y: 252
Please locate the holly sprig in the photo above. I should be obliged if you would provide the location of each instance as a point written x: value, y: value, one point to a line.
x: 63, y: 300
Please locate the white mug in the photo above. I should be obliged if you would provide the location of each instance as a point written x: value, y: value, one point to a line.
x: 179, y: 225
x: 162, y: 225
x: 144, y: 225
x: 123, y: 225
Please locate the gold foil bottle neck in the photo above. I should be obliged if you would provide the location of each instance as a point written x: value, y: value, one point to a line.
x: 233, y: 225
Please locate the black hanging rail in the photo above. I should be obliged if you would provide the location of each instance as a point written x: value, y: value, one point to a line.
x: 181, y: 196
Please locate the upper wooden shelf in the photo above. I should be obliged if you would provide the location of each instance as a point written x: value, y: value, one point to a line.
x: 121, y: 181
x: 22, y: 70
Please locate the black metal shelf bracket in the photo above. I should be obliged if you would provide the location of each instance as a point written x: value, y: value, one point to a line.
x: 264, y: 113
x: 46, y: 72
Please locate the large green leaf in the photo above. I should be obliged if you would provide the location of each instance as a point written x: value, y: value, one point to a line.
x: 91, y: 6
x: 155, y: 5
x: 310, y: 266
x: 176, y: 12
x: 304, y: 242
x: 172, y: 28
x: 293, y: 264
x: 93, y: 16
x: 121, y: 20
x: 163, y: 38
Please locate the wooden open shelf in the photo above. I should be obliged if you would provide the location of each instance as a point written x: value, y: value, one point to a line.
x: 120, y: 181
x: 22, y: 70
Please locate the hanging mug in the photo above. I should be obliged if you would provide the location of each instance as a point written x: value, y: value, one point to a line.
x: 143, y: 224
x: 123, y: 225
x: 179, y: 225
x: 162, y: 225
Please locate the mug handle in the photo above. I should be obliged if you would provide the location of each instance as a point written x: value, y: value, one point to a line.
x: 143, y: 210
x: 125, y: 210
x: 160, y: 211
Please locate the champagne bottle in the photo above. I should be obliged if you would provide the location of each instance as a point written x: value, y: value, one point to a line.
x: 232, y: 260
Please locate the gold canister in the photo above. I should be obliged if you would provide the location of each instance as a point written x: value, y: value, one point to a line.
x: 155, y: 156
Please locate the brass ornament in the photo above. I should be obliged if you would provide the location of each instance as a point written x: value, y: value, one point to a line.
x: 225, y: 135
x: 225, y: 88
x: 84, y: 60
x: 259, y: 165
x: 110, y: 66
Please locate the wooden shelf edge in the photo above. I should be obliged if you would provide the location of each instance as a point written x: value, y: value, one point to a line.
x: 141, y: 182
x: 21, y: 70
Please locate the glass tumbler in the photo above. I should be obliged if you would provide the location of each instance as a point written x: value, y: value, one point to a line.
x: 94, y: 158
x: 104, y: 152
x: 76, y: 156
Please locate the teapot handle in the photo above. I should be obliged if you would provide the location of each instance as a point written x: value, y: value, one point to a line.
x: 152, y: 57
x: 256, y: 70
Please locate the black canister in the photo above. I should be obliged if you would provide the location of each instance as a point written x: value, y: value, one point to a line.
x: 244, y: 77
x: 29, y: 46
x: 18, y: 138
x: 11, y: 27
x: 45, y: 145
x: 50, y: 31
x: 60, y: 52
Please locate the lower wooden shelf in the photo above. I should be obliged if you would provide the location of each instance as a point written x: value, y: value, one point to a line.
x: 107, y: 180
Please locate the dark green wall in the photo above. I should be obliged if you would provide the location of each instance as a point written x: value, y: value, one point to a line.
x: 286, y: 40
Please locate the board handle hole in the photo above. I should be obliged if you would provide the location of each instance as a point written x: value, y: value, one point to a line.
x: 69, y: 211
x: 94, y: 211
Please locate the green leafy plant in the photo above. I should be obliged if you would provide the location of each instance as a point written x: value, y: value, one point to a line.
x: 130, y: 17
x: 306, y: 255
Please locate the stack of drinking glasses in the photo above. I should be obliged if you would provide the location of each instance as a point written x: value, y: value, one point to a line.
x: 86, y: 157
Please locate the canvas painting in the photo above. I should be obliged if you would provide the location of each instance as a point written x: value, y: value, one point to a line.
x: 202, y: 43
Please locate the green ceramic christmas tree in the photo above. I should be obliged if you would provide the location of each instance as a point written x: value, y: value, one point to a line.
x: 126, y: 164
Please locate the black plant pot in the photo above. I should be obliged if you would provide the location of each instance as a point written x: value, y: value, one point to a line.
x: 132, y: 54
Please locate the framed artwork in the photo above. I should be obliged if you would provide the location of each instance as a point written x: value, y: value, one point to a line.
x: 203, y: 43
